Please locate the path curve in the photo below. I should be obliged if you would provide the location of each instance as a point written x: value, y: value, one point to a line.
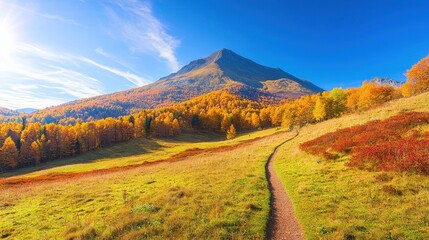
x: 282, y: 223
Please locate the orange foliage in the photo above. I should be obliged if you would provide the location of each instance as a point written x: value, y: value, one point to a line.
x: 216, y: 112
x: 417, y: 78
x: 389, y: 145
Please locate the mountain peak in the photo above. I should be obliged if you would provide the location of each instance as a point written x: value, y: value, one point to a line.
x: 386, y: 81
x: 222, y: 53
x: 225, y: 66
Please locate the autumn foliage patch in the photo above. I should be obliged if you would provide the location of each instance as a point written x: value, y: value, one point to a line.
x: 393, y: 144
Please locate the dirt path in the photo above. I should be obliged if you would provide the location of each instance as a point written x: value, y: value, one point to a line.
x: 282, y: 223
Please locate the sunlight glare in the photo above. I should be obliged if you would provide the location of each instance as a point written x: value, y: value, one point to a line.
x: 7, y: 41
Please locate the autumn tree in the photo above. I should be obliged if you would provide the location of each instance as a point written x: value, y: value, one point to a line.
x: 256, y: 121
x: 9, y: 154
x: 175, y: 127
x: 417, y: 78
x: 319, y: 112
x: 231, y: 133
x: 28, y: 136
x: 36, y: 151
x: 225, y: 123
x: 335, y: 103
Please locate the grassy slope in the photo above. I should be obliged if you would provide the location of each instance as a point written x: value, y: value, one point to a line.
x: 135, y: 152
x: 333, y: 201
x: 220, y: 195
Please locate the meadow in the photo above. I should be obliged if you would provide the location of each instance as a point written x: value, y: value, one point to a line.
x: 220, y: 195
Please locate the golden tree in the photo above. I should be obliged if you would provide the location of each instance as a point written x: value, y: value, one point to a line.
x: 231, y: 133
x: 319, y: 112
x: 9, y: 153
x: 417, y: 78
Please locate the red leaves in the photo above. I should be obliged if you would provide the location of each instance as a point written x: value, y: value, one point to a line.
x: 407, y: 154
x: 379, y: 145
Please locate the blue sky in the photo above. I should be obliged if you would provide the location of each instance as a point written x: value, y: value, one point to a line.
x: 53, y: 51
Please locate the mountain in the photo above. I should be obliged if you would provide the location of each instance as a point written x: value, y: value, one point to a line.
x: 223, y: 69
x: 8, y: 112
x: 386, y: 81
x: 226, y: 69
x: 26, y: 110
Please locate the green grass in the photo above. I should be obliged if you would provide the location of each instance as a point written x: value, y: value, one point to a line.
x: 135, y: 152
x: 220, y: 195
x: 333, y: 201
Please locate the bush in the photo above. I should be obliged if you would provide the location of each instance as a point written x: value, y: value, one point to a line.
x: 388, y: 145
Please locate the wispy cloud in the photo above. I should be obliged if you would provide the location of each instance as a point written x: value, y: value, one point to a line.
x: 32, y: 11
x: 143, y: 31
x: 39, y: 78
x: 135, y: 79
x: 17, y: 96
x: 46, y: 70
x: 117, y: 60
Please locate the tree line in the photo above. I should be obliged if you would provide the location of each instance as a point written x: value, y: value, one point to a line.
x: 23, y: 144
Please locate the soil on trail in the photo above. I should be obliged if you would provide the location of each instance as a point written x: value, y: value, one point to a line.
x: 282, y: 223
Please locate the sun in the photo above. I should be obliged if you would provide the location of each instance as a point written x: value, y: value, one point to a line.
x: 8, y: 40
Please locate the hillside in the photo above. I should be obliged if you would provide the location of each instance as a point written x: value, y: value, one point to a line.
x: 8, y: 112
x: 335, y: 201
x: 223, y: 69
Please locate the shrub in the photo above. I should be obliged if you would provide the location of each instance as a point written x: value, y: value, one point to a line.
x: 389, y: 145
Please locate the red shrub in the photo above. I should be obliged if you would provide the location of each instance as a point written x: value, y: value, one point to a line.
x: 379, y: 145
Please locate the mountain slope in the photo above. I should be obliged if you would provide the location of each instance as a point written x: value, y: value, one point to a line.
x: 225, y: 66
x: 8, y: 112
x: 223, y: 69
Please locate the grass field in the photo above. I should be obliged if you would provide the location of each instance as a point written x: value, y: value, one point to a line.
x: 334, y: 201
x: 220, y: 195
x: 135, y: 152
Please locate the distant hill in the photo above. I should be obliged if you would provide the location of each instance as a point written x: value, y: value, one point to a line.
x: 386, y: 81
x: 26, y: 110
x: 223, y: 69
x: 8, y: 112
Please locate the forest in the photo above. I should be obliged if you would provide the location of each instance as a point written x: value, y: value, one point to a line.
x: 25, y: 143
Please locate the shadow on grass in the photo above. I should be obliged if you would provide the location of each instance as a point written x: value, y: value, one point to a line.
x: 127, y: 149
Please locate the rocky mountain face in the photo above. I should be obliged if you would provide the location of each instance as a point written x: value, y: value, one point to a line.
x: 386, y: 81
